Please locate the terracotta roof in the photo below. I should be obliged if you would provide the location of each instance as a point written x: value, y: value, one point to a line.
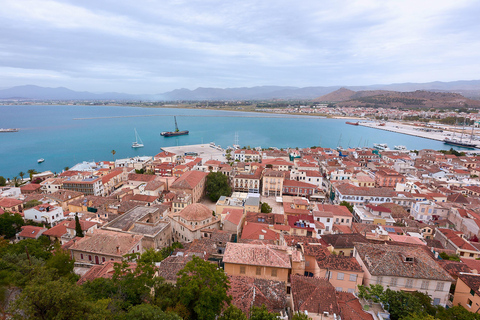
x: 141, y: 177
x: 9, y: 202
x: 106, y: 242
x: 170, y: 266
x: 298, y: 184
x: 70, y: 224
x: 315, y: 295
x: 31, y: 232
x: 389, y: 260
x: 350, y: 307
x: 455, y: 238
x: 471, y: 280
x: 31, y: 187
x: 64, y: 195
x: 104, y: 270
x: 335, y: 209
x: 247, y: 292
x: 258, y: 231
x: 454, y: 267
x: 349, y: 189
x: 195, y: 212
x: 233, y: 215
x: 473, y: 265
x: 259, y: 255
x: 57, y: 231
x: 189, y: 180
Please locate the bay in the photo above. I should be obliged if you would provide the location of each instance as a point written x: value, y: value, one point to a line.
x: 53, y: 132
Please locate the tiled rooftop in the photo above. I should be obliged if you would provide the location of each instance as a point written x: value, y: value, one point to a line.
x: 260, y: 255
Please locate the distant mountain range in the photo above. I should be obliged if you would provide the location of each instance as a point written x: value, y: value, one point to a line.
x: 469, y: 89
x: 418, y: 98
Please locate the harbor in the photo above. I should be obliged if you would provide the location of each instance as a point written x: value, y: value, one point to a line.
x: 438, y: 133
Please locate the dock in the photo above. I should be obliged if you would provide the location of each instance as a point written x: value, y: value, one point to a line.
x: 205, y: 151
x: 432, y: 133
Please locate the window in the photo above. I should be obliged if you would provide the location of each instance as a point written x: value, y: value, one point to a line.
x: 393, y: 282
x: 379, y: 280
x: 409, y: 283
x: 90, y: 257
x: 81, y: 255
x: 353, y: 277
x: 472, y: 292
x: 439, y: 286
x: 259, y: 271
x: 436, y: 301
x: 351, y: 290
x: 242, y: 269
x: 469, y: 303
x: 424, y: 285
x: 339, y: 289
x: 103, y: 259
x: 274, y: 272
x: 138, y: 247
x: 340, y: 276
x: 328, y: 219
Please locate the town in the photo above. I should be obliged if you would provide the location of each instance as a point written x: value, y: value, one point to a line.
x: 310, y: 233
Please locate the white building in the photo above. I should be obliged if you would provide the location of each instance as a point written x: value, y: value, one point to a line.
x: 45, y: 213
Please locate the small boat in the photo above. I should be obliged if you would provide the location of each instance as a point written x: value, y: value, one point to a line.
x: 40, y: 160
x: 138, y: 142
x: 400, y: 148
x: 174, y: 133
x: 9, y: 130
x: 352, y: 123
x: 381, y: 146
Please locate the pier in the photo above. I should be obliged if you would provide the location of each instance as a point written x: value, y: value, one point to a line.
x: 432, y: 133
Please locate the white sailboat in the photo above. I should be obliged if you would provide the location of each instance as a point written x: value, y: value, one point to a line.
x: 138, y: 142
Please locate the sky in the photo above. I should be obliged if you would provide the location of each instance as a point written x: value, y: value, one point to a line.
x: 154, y: 46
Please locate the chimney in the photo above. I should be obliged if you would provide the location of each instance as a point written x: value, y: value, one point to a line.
x: 118, y: 249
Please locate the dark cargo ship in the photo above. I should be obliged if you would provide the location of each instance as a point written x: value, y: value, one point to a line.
x: 174, y: 133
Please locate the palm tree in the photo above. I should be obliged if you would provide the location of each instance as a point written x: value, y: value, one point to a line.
x: 113, y: 154
x: 21, y: 174
x: 16, y: 181
x: 66, y: 169
x: 31, y: 172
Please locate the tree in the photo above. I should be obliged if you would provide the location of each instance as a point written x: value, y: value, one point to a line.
x: 31, y: 203
x: 66, y: 168
x: 58, y: 299
x: 10, y: 224
x: 147, y: 311
x: 21, y: 174
x: 265, y: 208
x: 113, y: 152
x: 261, y: 313
x: 16, y: 181
x: 78, y: 227
x: 203, y: 289
x: 31, y: 172
x: 61, y: 261
x: 217, y: 186
x: 348, y: 205
x: 3, y: 181
x: 300, y: 316
x: 233, y: 313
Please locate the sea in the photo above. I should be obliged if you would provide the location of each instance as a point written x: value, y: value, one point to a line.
x: 65, y: 135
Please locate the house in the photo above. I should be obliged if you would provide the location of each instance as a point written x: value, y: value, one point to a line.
x: 63, y: 197
x: 341, y: 214
x: 408, y: 268
x: 191, y: 182
x: 299, y: 188
x: 314, y: 296
x: 31, y: 188
x: 388, y: 178
x: 246, y: 155
x: 425, y: 211
x: 258, y: 261
x: 45, y: 213
x: 88, y: 186
x: 188, y: 223
x: 249, y: 291
x: 272, y: 183
x: 166, y: 156
x: 259, y: 231
x: 454, y: 240
x: 148, y: 222
x: 248, y: 182
x: 233, y: 221
x: 467, y: 291
x: 373, y: 214
x: 104, y: 245
x: 11, y: 205
x: 66, y: 230
x: 353, y: 195
x: 30, y: 232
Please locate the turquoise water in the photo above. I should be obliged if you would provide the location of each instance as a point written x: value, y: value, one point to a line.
x: 52, y: 133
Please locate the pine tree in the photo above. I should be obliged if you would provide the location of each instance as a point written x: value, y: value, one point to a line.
x: 78, y: 227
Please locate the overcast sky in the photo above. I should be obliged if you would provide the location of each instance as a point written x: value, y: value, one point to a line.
x: 153, y: 46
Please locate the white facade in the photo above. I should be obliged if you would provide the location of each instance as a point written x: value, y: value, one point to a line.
x: 45, y: 214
